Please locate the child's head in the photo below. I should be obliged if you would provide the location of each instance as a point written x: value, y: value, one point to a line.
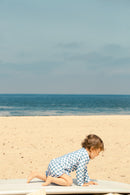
x: 93, y: 144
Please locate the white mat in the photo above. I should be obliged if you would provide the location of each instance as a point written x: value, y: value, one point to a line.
x: 19, y: 186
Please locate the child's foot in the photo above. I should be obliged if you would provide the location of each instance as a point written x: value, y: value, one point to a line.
x: 48, y: 181
x: 31, y: 176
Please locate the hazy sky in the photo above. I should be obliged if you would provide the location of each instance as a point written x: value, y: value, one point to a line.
x: 65, y: 46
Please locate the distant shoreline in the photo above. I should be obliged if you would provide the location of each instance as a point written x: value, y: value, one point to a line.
x: 76, y: 115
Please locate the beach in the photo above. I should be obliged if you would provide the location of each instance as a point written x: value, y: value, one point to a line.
x: 29, y: 143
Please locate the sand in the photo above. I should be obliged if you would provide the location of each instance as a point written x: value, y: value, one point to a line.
x: 29, y: 143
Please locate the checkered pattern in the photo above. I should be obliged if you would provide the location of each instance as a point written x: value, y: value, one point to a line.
x: 75, y: 161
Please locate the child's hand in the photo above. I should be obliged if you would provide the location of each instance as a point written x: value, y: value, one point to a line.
x: 90, y: 183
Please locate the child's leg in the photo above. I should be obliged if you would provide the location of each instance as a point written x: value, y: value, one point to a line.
x: 63, y: 180
x: 36, y: 175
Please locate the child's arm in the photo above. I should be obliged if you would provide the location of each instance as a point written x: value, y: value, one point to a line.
x: 80, y: 176
x: 86, y: 177
x: 80, y: 172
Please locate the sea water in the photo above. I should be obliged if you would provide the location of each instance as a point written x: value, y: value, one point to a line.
x: 61, y: 105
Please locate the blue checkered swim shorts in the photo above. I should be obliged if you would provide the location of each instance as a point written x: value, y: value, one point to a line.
x: 55, y: 169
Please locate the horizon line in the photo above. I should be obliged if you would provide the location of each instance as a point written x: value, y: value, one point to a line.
x: 60, y: 94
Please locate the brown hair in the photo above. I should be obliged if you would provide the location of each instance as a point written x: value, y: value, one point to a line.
x: 93, y: 141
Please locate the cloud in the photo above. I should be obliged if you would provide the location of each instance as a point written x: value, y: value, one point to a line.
x: 110, y: 58
x: 70, y: 62
x: 70, y: 45
x: 43, y: 67
x: 116, y: 50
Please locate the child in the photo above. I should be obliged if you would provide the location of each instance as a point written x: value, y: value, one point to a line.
x: 59, y: 169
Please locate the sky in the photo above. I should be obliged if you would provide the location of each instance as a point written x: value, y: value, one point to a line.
x: 65, y: 46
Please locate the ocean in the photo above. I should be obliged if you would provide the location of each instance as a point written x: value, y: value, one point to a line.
x: 62, y: 105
